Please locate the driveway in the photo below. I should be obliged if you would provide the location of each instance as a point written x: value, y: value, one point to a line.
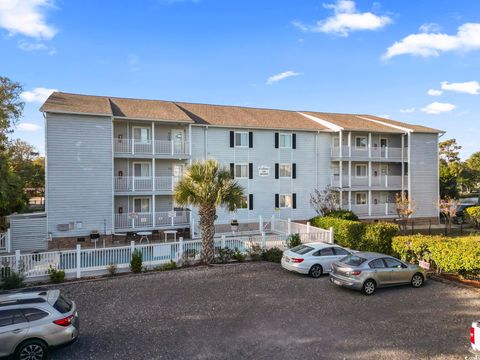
x: 259, y: 311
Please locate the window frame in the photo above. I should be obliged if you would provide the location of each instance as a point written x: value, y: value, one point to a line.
x: 246, y: 165
x: 280, y: 171
x: 285, y: 197
x: 141, y: 163
x: 244, y: 197
x: 361, y: 193
x: 241, y: 133
x: 280, y: 135
x: 142, y: 198
x: 357, y: 147
x: 366, y: 171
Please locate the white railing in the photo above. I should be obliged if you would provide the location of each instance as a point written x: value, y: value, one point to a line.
x: 385, y: 181
x: 382, y: 209
x: 156, y: 147
x: 151, y: 220
x: 83, y: 261
x: 375, y: 152
x: 136, y: 183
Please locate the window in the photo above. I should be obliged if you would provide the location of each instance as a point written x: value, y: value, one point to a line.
x: 285, y: 201
x: 340, y: 251
x: 361, y: 142
x: 244, y: 203
x: 63, y: 305
x: 353, y: 260
x: 141, y: 169
x: 241, y: 139
x: 285, y: 170
x: 285, y: 140
x: 361, y: 170
x: 301, y: 249
x: 393, y: 263
x: 10, y: 317
x: 326, y: 252
x: 142, y: 205
x: 361, y: 198
x: 376, y: 264
x: 241, y: 171
x: 34, y: 314
x: 141, y: 135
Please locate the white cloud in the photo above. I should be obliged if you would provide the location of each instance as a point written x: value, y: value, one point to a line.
x: 278, y: 77
x: 28, y: 127
x: 469, y: 87
x: 36, y: 46
x: 438, y: 108
x: 433, y: 43
x: 433, y: 92
x: 27, y: 17
x: 430, y: 27
x: 39, y: 95
x: 407, y: 111
x: 346, y: 19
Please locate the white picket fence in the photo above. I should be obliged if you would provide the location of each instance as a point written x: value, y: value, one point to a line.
x: 89, y: 261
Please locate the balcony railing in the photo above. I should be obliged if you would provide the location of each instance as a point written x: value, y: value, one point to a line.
x: 152, y: 220
x: 157, y: 147
x: 383, y: 209
x: 139, y: 184
x: 374, y: 153
x: 384, y: 181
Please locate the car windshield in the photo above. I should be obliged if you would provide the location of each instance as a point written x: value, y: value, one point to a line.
x: 301, y: 249
x: 63, y: 305
x: 353, y: 260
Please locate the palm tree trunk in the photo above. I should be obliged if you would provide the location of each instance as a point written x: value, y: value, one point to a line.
x: 207, y: 226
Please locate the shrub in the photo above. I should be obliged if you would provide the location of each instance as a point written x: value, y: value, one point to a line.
x: 413, y: 248
x: 273, y: 255
x: 255, y: 252
x: 378, y: 237
x: 112, y: 269
x: 238, y: 255
x: 346, y: 232
x: 136, y: 261
x: 11, y: 279
x: 473, y: 215
x: 293, y: 240
x: 342, y: 214
x: 56, y: 275
x: 224, y: 255
x: 171, y: 265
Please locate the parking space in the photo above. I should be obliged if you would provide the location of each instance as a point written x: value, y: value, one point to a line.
x: 260, y: 311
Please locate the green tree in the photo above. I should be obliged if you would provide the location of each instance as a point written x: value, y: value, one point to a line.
x: 450, y: 168
x: 470, y: 177
x: 207, y: 186
x: 11, y: 107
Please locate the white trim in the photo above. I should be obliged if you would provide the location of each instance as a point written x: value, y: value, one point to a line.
x: 387, y: 124
x: 361, y: 147
x: 325, y: 123
x: 366, y: 170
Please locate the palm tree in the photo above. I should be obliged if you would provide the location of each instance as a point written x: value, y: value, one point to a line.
x: 207, y: 185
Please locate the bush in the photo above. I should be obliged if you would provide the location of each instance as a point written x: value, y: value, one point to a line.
x: 473, y: 215
x: 378, y: 237
x: 273, y: 255
x: 342, y: 214
x: 238, y: 255
x: 293, y: 240
x: 224, y: 255
x: 112, y: 269
x: 11, y: 279
x: 171, y: 265
x: 459, y: 255
x: 136, y: 261
x: 346, y: 232
x: 56, y: 276
x: 255, y: 252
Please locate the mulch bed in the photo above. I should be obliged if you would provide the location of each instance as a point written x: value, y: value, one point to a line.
x: 460, y: 280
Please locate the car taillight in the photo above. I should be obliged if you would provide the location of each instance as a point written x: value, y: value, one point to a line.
x: 355, y: 272
x: 472, y: 335
x: 297, y: 260
x: 66, y: 321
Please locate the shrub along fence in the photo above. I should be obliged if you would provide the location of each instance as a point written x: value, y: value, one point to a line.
x: 459, y: 255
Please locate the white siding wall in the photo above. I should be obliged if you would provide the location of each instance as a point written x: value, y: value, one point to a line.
x: 79, y: 173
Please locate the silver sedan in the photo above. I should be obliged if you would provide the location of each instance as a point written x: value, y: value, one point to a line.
x: 366, y: 271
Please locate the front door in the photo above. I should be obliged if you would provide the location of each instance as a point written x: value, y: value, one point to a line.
x: 383, y: 146
x: 178, y: 138
x: 142, y: 180
x: 177, y: 173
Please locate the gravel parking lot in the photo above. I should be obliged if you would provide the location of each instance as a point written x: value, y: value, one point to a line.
x: 260, y: 311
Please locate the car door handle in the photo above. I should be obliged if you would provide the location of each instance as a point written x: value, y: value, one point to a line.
x: 16, y: 331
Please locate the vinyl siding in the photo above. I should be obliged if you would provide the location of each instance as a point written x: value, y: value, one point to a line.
x: 29, y: 232
x: 79, y: 173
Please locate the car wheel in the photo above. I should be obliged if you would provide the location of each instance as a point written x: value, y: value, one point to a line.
x: 417, y: 280
x: 316, y: 271
x: 32, y: 350
x: 369, y: 287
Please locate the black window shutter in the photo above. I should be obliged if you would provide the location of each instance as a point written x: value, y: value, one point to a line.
x: 276, y: 171
x: 277, y: 201
x: 294, y: 141
x: 232, y: 170
x: 276, y: 140
x: 250, y: 201
x: 232, y: 139
x: 294, y: 171
x: 250, y: 139
x: 294, y: 200
x: 250, y: 171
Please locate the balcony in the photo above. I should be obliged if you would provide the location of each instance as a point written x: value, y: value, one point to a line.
x: 377, y: 182
x: 132, y: 184
x: 375, y: 153
x: 164, y: 219
x: 376, y: 210
x: 161, y: 148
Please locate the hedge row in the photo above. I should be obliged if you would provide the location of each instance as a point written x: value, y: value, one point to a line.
x: 359, y: 236
x: 459, y: 255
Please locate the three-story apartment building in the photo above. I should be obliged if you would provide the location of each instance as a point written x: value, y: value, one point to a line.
x: 112, y: 163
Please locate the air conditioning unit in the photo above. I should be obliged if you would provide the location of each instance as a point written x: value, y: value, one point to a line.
x: 63, y: 227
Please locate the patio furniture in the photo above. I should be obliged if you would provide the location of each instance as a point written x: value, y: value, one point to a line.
x: 144, y: 236
x: 168, y: 232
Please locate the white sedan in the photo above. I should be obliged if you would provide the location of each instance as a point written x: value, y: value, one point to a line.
x: 313, y: 259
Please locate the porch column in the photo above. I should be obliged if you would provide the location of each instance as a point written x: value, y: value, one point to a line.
x: 340, y: 167
x: 369, y: 174
x: 153, y: 211
x: 409, y: 178
x: 349, y: 173
x: 153, y: 174
x: 369, y: 145
x: 340, y: 144
x: 153, y: 138
x: 349, y: 200
x: 369, y: 202
x: 340, y: 198
x: 349, y: 144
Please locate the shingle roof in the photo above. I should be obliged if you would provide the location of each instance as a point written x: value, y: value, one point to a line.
x: 219, y: 115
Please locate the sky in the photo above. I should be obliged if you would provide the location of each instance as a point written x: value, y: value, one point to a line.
x: 412, y: 61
